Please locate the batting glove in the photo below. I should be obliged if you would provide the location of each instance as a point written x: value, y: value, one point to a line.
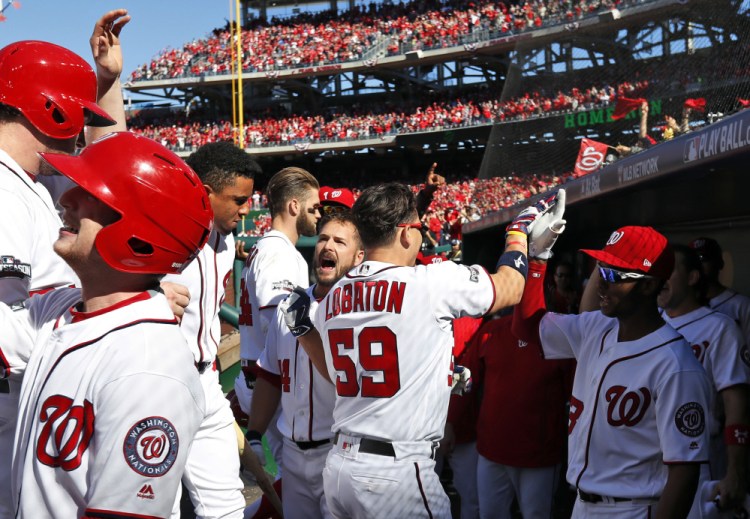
x: 255, y: 440
x: 547, y: 228
x: 296, y: 311
x: 461, y: 380
x: 526, y: 220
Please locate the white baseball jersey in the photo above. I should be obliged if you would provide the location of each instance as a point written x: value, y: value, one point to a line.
x: 27, y: 265
x: 272, y: 269
x: 307, y: 399
x: 388, y: 338
x: 206, y: 277
x: 718, y: 344
x: 636, y: 407
x: 736, y: 306
x: 109, y: 406
x: 212, y: 469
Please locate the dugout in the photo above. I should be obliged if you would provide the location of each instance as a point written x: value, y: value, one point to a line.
x: 694, y: 185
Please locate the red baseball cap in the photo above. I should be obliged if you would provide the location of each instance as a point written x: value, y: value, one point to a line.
x: 640, y: 249
x: 339, y: 195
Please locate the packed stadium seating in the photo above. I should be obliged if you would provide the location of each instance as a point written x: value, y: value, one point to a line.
x: 327, y: 37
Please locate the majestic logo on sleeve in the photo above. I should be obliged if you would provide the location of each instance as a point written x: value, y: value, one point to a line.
x: 626, y: 407
x: 690, y: 419
x: 151, y: 446
x: 66, y: 432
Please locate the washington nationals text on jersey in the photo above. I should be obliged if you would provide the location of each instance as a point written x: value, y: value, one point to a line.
x: 306, y: 397
x: 636, y: 406
x: 272, y: 269
x: 206, y: 277
x: 387, y: 331
x: 109, y: 406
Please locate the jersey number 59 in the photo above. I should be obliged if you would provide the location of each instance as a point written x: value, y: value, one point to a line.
x: 377, y: 352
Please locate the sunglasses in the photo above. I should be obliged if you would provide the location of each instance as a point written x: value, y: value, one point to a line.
x: 418, y: 226
x: 334, y: 209
x: 611, y: 275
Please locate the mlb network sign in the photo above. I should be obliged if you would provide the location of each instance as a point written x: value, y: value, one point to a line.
x: 717, y: 140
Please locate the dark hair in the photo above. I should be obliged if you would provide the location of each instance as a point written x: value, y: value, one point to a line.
x: 343, y: 217
x: 691, y: 260
x: 9, y: 113
x: 219, y: 163
x: 379, y: 209
x: 287, y: 184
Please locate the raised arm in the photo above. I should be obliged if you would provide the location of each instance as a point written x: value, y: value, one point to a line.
x: 107, y: 53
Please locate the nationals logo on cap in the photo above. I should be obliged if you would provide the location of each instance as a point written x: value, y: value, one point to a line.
x: 636, y: 248
x: 151, y: 446
x: 341, y: 196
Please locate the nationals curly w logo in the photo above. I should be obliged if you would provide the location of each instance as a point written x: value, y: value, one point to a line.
x: 626, y: 407
x: 151, y: 446
x: 66, y: 433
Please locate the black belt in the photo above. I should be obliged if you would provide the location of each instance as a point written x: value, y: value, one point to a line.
x: 380, y: 448
x: 203, y: 366
x: 306, y: 446
x: 596, y: 498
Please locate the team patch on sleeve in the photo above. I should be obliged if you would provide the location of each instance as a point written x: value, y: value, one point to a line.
x: 473, y: 274
x: 10, y: 267
x: 690, y: 419
x: 151, y: 446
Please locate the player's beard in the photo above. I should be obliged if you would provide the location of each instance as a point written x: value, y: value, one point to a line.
x: 306, y: 227
x: 339, y: 271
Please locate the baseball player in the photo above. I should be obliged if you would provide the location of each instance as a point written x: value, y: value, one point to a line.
x: 718, y: 344
x: 637, y: 424
x: 287, y: 375
x: 387, y: 340
x: 520, y: 440
x: 212, y: 471
x: 111, y: 400
x: 721, y: 298
x: 35, y: 74
x: 272, y: 268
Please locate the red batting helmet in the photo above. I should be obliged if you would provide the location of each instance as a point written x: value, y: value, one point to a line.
x: 54, y: 88
x: 165, y: 213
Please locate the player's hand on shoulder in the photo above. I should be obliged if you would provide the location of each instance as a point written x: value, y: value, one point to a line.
x: 547, y: 228
x: 178, y: 297
x: 239, y: 250
x: 296, y: 311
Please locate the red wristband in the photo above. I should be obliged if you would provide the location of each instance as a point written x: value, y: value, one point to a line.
x: 515, y: 242
x: 736, y: 434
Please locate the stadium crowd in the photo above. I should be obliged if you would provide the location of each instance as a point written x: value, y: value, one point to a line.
x: 330, y: 37
x: 480, y: 107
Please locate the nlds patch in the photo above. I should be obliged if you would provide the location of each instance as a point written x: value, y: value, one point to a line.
x: 690, y: 419
x: 151, y: 446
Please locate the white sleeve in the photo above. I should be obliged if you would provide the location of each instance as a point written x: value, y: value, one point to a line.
x: 16, y: 340
x: 459, y: 290
x: 564, y: 336
x: 269, y: 359
x: 682, y: 411
x: 16, y: 249
x: 727, y: 358
x: 145, y: 425
x: 275, y: 278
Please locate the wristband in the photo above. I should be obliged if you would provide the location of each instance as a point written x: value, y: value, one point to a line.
x: 516, y: 233
x: 736, y: 434
x: 515, y: 260
x: 253, y: 435
x: 515, y: 242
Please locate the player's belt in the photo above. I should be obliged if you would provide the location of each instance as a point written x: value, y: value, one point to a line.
x: 306, y: 446
x: 596, y: 498
x: 380, y: 448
